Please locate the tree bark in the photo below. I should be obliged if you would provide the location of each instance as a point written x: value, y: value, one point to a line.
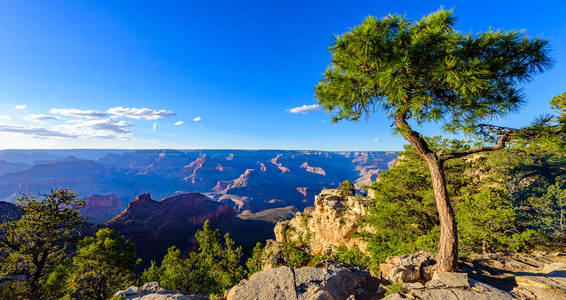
x: 448, y: 243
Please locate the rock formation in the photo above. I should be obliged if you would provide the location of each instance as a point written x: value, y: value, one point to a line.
x: 329, y: 225
x: 409, y: 268
x: 327, y: 280
x: 278, y: 164
x: 315, y: 170
x: 101, y: 208
x: 490, y: 276
x: 152, y: 291
x: 156, y: 225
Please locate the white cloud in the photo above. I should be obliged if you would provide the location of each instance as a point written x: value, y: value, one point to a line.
x: 78, y: 113
x: 197, y: 119
x: 179, y: 123
x: 154, y: 127
x: 40, y: 118
x: 2, y: 117
x: 20, y: 107
x: 304, y: 109
x: 140, y: 113
x: 34, y: 131
x: 376, y: 140
x: 105, y: 128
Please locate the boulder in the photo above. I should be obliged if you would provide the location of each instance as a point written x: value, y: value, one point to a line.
x: 152, y: 291
x: 328, y: 280
x: 449, y: 280
x: 409, y: 268
x: 277, y: 283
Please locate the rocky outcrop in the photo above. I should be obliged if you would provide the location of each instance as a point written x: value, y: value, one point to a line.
x: 533, y: 276
x: 156, y: 225
x: 447, y: 285
x: 278, y: 164
x: 100, y: 208
x: 315, y: 170
x: 488, y: 276
x: 327, y: 280
x: 329, y: 225
x: 152, y: 291
x: 409, y: 268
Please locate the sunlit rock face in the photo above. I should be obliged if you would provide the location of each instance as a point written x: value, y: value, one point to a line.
x: 326, y: 226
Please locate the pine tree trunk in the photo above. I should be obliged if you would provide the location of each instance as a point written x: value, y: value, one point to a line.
x: 448, y: 243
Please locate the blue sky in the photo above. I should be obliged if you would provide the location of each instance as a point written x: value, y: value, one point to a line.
x: 212, y: 74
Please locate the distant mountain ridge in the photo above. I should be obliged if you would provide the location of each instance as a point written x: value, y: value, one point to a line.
x: 252, y: 180
x: 156, y: 225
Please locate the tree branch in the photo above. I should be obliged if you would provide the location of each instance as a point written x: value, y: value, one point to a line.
x: 499, y: 145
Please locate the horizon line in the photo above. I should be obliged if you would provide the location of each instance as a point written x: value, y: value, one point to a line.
x: 189, y: 149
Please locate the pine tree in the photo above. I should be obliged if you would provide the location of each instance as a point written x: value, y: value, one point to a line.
x: 37, y: 242
x: 426, y: 71
x: 102, y: 265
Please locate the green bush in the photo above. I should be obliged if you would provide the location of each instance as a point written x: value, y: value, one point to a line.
x: 102, y: 265
x: 213, y: 269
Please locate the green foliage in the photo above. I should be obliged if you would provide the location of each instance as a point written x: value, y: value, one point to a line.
x: 152, y: 273
x: 102, y: 265
x: 346, y: 188
x: 487, y: 221
x: 428, y: 70
x: 548, y: 132
x: 352, y: 256
x: 393, y: 288
x: 505, y: 201
x: 537, y: 185
x: 294, y: 256
x: 36, y: 244
x: 214, y: 268
x: 255, y: 262
x: 403, y: 208
x: 549, y: 209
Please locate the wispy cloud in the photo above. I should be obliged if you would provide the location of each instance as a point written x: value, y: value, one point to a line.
x: 154, y: 127
x: 376, y: 140
x: 197, y: 119
x: 179, y: 123
x: 40, y: 118
x: 34, y: 131
x: 105, y: 128
x: 304, y: 109
x: 3, y: 117
x: 140, y: 113
x: 20, y: 107
x: 79, y: 113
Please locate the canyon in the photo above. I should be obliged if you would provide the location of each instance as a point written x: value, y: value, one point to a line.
x: 246, y: 180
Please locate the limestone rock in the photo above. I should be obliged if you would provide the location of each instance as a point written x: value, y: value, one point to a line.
x: 492, y: 276
x: 449, y: 280
x: 327, y: 226
x: 274, y: 284
x: 152, y: 291
x: 409, y: 268
x: 534, y: 276
x: 272, y: 255
x: 328, y: 280
x: 447, y: 285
